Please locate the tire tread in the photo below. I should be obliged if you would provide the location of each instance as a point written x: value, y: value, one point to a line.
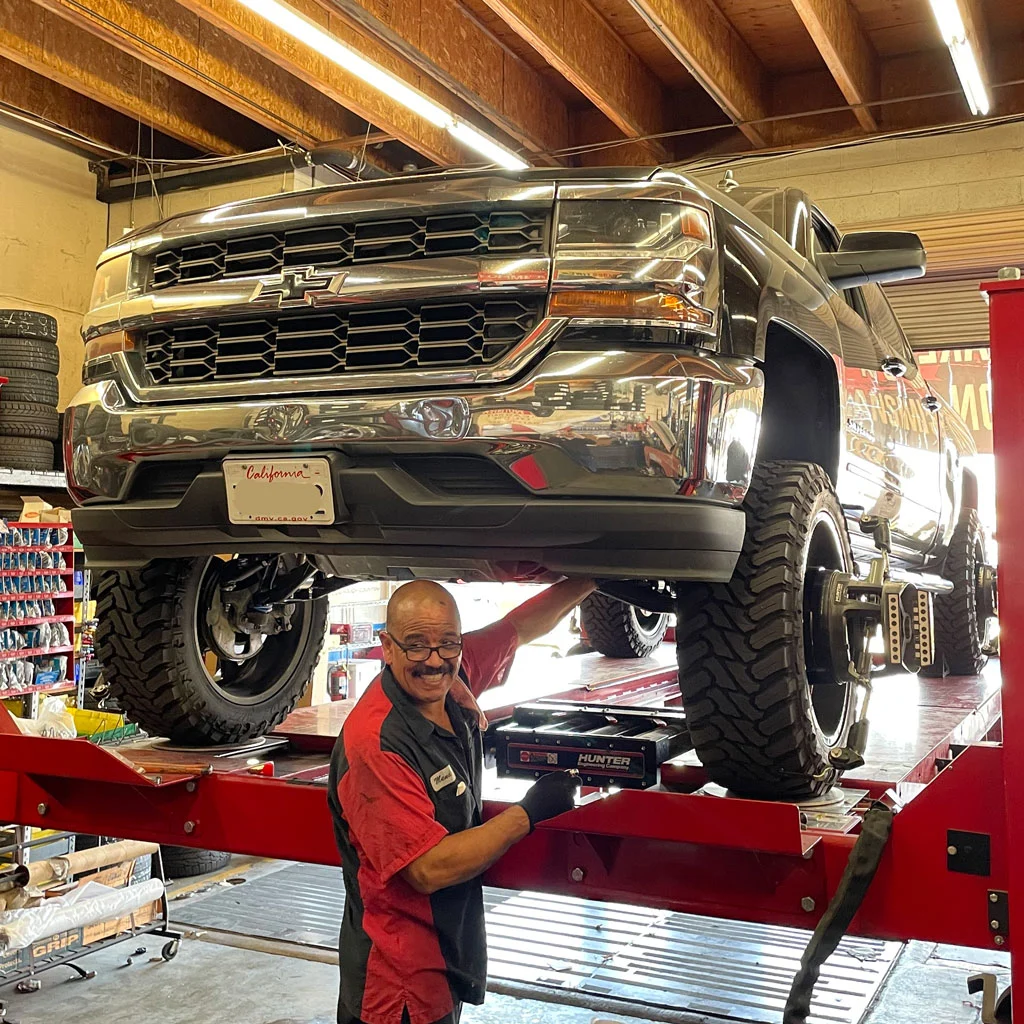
x: 610, y: 628
x: 139, y: 641
x: 740, y: 647
x: 958, y: 633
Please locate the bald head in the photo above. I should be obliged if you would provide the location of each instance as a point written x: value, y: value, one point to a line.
x: 423, y: 614
x: 412, y: 600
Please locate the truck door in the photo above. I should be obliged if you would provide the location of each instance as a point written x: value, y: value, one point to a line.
x: 919, y: 445
x: 868, y: 472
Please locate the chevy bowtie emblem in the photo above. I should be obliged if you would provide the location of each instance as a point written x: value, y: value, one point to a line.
x: 303, y: 287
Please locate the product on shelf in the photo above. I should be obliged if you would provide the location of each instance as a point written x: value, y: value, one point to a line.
x: 36, y: 607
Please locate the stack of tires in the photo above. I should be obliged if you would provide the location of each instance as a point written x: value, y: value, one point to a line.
x: 29, y: 424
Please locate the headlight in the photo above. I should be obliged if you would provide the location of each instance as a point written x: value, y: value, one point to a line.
x: 635, y: 224
x: 112, y: 281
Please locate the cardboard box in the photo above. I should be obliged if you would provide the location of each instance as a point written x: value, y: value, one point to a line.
x: 35, y: 510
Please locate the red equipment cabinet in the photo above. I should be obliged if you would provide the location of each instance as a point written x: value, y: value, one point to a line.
x: 951, y: 862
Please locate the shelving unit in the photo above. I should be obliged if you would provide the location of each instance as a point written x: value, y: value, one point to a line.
x: 63, y: 609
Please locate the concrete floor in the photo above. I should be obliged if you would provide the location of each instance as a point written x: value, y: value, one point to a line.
x: 212, y: 984
x: 208, y: 983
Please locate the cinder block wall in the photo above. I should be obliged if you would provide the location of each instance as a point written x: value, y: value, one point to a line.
x: 900, y: 179
x: 51, y: 230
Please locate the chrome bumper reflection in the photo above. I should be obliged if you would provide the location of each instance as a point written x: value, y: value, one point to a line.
x: 656, y: 424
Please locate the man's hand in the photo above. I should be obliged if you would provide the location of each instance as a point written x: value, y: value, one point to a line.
x: 550, y: 796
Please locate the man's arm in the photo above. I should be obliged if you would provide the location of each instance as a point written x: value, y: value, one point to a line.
x: 464, y: 855
x: 460, y: 857
x: 540, y: 615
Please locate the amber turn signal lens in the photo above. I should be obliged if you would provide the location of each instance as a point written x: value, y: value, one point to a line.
x: 108, y: 344
x: 629, y: 305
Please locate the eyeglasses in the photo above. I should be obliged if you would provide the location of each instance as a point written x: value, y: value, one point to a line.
x: 420, y: 652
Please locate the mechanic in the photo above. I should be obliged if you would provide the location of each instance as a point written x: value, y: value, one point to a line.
x: 406, y: 797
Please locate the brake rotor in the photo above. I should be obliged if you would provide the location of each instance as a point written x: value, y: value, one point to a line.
x: 226, y: 641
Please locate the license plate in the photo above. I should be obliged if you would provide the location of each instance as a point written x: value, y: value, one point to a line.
x: 279, y: 490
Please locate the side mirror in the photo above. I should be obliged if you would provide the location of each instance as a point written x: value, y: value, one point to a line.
x: 878, y: 257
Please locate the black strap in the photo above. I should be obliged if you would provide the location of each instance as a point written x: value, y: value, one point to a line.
x: 853, y: 887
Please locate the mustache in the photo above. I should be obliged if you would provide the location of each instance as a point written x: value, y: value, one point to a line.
x: 423, y: 671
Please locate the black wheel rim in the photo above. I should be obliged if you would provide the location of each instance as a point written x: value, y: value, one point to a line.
x: 648, y: 624
x: 825, y: 550
x: 264, y: 674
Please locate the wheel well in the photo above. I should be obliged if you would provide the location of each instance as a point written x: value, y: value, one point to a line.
x: 800, y: 417
x: 969, y: 496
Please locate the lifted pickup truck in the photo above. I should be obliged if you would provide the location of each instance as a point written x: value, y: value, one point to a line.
x: 686, y: 393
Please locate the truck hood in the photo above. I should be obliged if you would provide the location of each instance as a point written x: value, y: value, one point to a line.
x: 414, y: 193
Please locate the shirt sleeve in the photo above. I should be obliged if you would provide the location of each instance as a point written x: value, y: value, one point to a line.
x: 388, y: 811
x: 487, y: 655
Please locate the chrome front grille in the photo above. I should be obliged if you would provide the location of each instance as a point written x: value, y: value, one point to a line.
x: 311, y: 342
x: 478, y: 233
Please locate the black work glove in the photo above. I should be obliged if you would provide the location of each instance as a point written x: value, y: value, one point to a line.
x: 550, y: 796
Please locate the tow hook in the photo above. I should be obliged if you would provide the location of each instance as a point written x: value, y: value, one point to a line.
x: 848, y: 611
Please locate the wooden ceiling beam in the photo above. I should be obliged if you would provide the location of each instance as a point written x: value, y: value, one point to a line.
x: 846, y: 50
x: 456, y: 51
x: 572, y: 37
x: 181, y: 45
x: 333, y: 81
x: 591, y: 127
x: 973, y: 14
x: 102, y: 131
x: 707, y: 44
x: 51, y: 47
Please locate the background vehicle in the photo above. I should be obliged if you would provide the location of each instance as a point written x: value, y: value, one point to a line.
x: 686, y: 393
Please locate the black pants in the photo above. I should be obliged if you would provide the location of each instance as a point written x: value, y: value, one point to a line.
x: 452, y: 1018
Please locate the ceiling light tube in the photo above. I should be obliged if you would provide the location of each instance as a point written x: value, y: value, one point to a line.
x: 965, y: 60
x: 306, y: 31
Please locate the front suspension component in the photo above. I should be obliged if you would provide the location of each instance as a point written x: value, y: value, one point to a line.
x: 847, y: 612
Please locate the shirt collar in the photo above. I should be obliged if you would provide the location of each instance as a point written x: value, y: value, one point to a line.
x: 422, y: 728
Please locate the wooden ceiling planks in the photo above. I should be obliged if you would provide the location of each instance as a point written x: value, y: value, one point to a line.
x: 341, y: 86
x: 573, y: 38
x: 451, y: 47
x: 837, y: 33
x: 182, y: 45
x: 543, y: 74
x: 717, y: 56
x: 896, y: 27
x: 48, y: 45
x: 774, y: 32
x: 636, y: 34
x: 104, y: 129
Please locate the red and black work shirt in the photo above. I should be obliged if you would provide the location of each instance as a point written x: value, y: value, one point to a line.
x: 399, y: 784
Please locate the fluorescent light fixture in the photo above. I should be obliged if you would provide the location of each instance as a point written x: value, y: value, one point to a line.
x: 301, y: 28
x: 954, y: 35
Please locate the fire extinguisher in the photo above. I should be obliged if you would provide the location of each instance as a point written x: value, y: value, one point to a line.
x: 337, y: 683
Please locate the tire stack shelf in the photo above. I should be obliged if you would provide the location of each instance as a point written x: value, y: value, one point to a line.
x: 63, y: 604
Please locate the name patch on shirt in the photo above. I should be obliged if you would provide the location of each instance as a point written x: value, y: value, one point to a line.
x: 445, y: 777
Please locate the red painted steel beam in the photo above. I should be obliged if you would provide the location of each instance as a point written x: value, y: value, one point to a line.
x: 246, y: 814
x: 1006, y: 336
x: 708, y: 868
x: 705, y: 855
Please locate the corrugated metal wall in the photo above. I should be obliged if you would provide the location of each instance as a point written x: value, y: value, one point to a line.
x: 941, y: 314
x: 945, y: 309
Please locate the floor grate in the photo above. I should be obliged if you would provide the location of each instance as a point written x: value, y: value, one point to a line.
x: 584, y: 951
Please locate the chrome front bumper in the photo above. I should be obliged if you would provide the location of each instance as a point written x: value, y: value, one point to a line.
x: 655, y: 424
x: 621, y: 465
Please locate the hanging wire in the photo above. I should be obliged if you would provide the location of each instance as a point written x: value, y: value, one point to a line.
x: 755, y: 122
x: 362, y: 154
